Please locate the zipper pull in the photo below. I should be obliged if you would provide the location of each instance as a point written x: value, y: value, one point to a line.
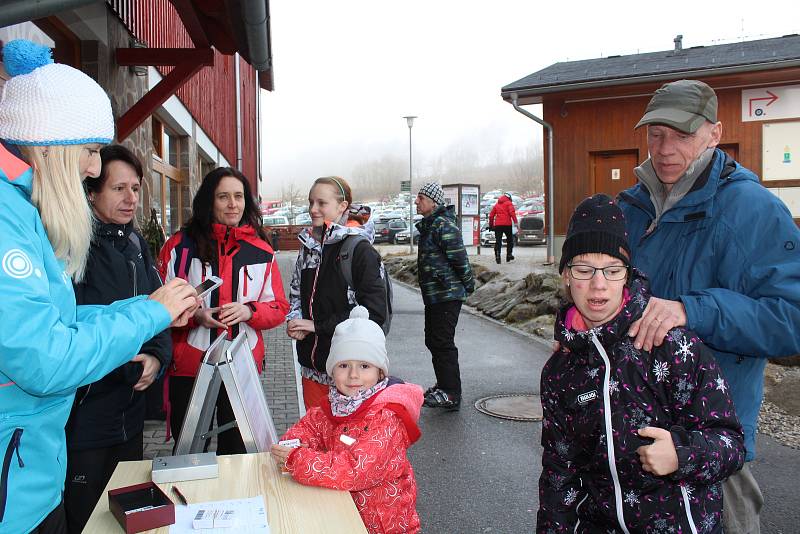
x: 15, y: 444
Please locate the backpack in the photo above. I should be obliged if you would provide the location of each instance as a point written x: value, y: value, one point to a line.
x: 346, y: 261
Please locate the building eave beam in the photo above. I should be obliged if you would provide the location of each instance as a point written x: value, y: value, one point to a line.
x: 159, y: 94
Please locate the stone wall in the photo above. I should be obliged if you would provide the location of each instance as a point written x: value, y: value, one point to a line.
x: 529, y: 304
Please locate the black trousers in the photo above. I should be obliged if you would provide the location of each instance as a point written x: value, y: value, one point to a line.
x: 440, y: 331
x: 88, y: 472
x: 180, y: 393
x: 498, y: 241
x: 54, y: 523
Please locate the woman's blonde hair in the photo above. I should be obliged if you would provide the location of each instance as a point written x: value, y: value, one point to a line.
x: 58, y: 194
x: 340, y: 185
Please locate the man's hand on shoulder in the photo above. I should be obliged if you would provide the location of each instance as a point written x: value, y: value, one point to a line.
x: 659, y: 317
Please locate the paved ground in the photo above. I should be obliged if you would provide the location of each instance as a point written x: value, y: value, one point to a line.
x: 477, y: 473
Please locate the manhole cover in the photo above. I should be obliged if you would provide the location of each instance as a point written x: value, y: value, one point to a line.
x: 517, y: 407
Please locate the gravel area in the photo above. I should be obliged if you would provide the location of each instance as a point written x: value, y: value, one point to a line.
x: 779, y: 415
x: 775, y: 422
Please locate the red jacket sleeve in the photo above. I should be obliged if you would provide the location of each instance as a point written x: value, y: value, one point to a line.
x: 492, y: 215
x: 378, y: 455
x: 272, y: 306
x: 310, y: 430
x: 512, y: 212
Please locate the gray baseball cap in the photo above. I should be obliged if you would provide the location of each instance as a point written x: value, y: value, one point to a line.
x: 683, y: 105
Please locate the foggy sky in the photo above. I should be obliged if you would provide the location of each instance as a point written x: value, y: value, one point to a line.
x: 347, y: 72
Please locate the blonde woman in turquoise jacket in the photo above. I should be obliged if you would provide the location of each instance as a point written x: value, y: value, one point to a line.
x: 53, y: 120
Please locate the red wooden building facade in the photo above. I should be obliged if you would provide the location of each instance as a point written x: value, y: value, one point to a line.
x: 129, y: 46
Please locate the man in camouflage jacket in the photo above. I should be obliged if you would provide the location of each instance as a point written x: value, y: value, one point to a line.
x: 445, y: 278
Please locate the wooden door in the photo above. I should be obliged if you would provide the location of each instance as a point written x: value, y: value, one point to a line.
x: 612, y: 172
x: 732, y: 149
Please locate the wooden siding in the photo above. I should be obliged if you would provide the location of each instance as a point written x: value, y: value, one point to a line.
x: 602, y: 120
x: 249, y: 122
x: 210, y: 95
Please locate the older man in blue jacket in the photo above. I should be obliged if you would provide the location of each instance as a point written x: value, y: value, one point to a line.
x: 723, y: 255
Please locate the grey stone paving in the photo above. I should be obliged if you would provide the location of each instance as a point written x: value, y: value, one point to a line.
x: 279, y: 385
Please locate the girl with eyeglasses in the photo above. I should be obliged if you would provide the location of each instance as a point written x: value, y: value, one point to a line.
x: 634, y: 441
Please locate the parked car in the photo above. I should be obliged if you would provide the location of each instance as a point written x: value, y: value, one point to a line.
x: 530, y: 207
x: 401, y: 237
x: 303, y: 219
x: 488, y: 240
x: 275, y: 220
x: 386, y: 230
x: 531, y: 230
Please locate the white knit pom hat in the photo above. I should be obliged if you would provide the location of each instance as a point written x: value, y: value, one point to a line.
x: 360, y: 339
x: 46, y: 103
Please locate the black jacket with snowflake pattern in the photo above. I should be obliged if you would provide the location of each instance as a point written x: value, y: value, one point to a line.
x: 594, y: 397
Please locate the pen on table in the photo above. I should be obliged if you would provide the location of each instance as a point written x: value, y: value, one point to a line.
x: 180, y: 495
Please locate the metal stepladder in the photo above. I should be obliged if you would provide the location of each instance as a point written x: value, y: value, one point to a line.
x: 229, y: 364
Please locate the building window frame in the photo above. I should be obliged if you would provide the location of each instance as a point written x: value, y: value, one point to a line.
x: 168, y: 179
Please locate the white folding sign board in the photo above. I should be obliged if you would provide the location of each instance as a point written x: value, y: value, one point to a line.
x: 228, y: 364
x: 781, y: 150
x: 771, y: 103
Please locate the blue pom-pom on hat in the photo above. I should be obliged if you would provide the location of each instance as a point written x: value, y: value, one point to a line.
x: 21, y: 56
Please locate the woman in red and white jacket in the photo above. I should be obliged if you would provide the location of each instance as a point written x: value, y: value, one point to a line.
x: 223, y: 238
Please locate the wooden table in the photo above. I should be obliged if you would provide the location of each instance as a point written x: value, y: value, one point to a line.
x: 291, y: 507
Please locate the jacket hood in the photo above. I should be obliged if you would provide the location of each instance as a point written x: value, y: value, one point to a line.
x: 336, y: 232
x: 503, y: 200
x: 14, y: 170
x: 721, y: 171
x: 614, y: 330
x: 235, y: 233
x: 405, y: 400
x: 111, y: 230
x: 445, y: 212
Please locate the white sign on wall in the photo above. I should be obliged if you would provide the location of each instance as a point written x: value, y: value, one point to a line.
x: 781, y: 150
x: 770, y: 103
x: 451, y: 197
x: 469, y: 201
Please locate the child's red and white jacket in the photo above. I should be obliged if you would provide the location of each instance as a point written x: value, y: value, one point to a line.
x: 249, y: 276
x: 374, y: 467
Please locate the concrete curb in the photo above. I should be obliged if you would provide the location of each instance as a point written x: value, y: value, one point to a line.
x: 546, y: 344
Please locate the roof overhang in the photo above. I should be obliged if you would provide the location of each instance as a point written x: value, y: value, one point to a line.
x: 536, y: 94
x: 232, y: 26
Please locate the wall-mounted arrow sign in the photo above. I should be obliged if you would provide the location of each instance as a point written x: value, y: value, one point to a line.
x: 760, y: 109
x: 771, y: 103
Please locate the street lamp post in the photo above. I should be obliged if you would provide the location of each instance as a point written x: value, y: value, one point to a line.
x: 410, y: 120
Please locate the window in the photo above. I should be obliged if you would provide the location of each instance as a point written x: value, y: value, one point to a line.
x: 168, y: 190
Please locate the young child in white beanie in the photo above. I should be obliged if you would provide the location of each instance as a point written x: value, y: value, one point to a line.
x: 357, y: 441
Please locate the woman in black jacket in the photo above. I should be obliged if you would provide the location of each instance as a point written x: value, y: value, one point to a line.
x: 633, y: 441
x: 107, y: 419
x: 319, y: 296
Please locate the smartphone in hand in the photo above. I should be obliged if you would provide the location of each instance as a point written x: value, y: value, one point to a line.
x: 209, y: 284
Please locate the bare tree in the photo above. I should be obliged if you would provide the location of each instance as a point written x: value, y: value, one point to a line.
x: 378, y: 178
x: 291, y: 194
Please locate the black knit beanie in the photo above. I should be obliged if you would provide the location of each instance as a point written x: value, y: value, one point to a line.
x: 596, y: 226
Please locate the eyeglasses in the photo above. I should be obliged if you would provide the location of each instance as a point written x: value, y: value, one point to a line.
x: 613, y: 273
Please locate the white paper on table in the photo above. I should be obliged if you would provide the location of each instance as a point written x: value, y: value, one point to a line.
x: 251, y: 517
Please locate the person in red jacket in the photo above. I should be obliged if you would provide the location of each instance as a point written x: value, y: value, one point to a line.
x: 222, y: 238
x: 501, y: 219
x: 357, y: 440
